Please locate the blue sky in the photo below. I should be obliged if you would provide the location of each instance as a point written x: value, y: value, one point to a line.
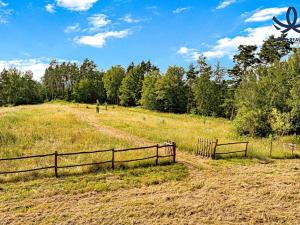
x: 110, y: 32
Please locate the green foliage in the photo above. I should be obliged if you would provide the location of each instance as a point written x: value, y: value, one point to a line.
x: 132, y: 84
x: 191, y: 75
x: 166, y: 93
x: 112, y: 82
x: 280, y: 122
x: 252, y: 122
x: 208, y: 93
x: 89, y: 90
x: 171, y: 91
x: 273, y: 50
x: 18, y: 88
x: 245, y: 59
x: 60, y: 79
x: 72, y: 82
x: 149, y: 94
x: 270, y: 93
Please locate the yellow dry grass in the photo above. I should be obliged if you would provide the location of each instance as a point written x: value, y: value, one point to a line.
x: 194, y: 191
x: 184, y: 129
x: 44, y: 129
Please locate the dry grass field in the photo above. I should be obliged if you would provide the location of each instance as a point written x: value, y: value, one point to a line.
x: 256, y: 190
x: 185, y: 129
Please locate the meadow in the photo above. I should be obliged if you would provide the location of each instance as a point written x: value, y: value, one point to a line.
x: 27, y: 131
x: 185, y: 130
x: 237, y: 190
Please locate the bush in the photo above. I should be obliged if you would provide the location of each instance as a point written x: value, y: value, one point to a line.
x: 252, y: 122
x: 280, y: 122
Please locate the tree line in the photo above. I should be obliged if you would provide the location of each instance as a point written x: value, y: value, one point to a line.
x: 261, y: 93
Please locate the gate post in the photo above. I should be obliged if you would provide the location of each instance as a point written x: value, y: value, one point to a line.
x: 246, y: 151
x: 113, y: 159
x: 215, y: 150
x: 174, y: 152
x: 55, y: 164
x: 156, y: 161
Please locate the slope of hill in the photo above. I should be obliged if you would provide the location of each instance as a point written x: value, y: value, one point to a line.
x: 193, y: 191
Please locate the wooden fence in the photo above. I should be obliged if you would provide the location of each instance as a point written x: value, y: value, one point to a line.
x: 112, y: 162
x: 209, y: 148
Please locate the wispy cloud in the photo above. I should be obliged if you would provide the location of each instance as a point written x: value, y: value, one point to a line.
x: 3, y: 4
x: 76, y: 5
x: 50, y: 8
x: 181, y: 10
x: 72, y: 28
x: 4, y: 12
x: 97, y: 21
x: 266, y: 14
x: 99, y: 40
x: 190, y: 54
x: 224, y: 4
x: 129, y: 19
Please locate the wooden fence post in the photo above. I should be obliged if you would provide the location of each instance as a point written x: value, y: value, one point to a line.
x: 156, y: 161
x: 174, y: 152
x: 197, y: 149
x: 271, y: 147
x: 113, y: 159
x: 215, y: 149
x: 246, y: 151
x: 55, y: 164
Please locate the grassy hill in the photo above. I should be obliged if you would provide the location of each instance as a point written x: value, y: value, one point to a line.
x: 193, y: 191
x: 184, y: 129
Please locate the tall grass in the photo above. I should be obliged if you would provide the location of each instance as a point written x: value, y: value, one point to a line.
x: 44, y: 129
x: 184, y: 129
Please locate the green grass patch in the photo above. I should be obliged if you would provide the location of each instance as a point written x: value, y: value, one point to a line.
x: 97, y: 182
x: 185, y: 130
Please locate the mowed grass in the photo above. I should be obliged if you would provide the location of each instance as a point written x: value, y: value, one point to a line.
x: 185, y: 130
x: 44, y: 129
x: 195, y: 191
x: 102, y: 181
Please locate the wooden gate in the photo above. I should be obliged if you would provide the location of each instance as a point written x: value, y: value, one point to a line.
x: 206, y: 148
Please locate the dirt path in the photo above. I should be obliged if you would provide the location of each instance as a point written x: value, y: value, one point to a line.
x: 214, y: 193
x: 192, y: 162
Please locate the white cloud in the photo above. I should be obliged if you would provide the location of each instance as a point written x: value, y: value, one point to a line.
x: 181, y: 10
x: 224, y: 4
x: 183, y: 51
x: 228, y: 46
x: 97, y: 21
x: 98, y: 40
x: 3, y: 4
x: 128, y: 19
x: 37, y: 66
x: 72, y: 28
x: 50, y: 8
x: 266, y: 14
x: 189, y: 54
x: 76, y: 5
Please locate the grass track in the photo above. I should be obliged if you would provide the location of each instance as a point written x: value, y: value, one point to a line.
x: 232, y: 191
x: 184, y: 129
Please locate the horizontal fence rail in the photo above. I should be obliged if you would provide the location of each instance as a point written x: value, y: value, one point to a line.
x: 209, y: 148
x: 170, y: 146
x: 27, y: 157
